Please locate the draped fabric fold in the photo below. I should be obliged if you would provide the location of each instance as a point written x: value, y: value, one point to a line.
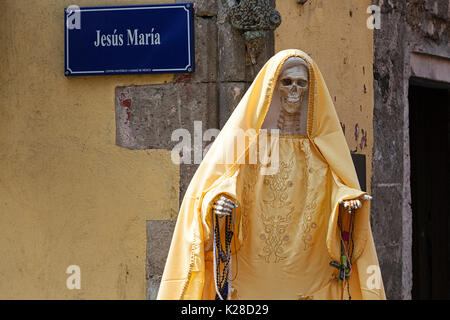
x: 323, y: 152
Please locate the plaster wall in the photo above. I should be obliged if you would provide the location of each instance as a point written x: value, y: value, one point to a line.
x: 68, y: 194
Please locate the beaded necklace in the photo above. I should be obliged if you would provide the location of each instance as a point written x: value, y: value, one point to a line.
x: 222, y: 256
x: 347, y: 248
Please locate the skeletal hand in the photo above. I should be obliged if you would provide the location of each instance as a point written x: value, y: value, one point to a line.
x: 224, y: 206
x: 352, y: 205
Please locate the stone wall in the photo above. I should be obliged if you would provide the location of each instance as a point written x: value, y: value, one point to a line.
x: 407, y: 27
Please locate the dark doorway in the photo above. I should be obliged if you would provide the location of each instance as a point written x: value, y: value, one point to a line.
x: 429, y: 141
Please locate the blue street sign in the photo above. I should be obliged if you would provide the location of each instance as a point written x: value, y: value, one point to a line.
x: 129, y: 39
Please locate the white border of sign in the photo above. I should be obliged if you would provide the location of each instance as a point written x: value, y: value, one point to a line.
x: 135, y: 8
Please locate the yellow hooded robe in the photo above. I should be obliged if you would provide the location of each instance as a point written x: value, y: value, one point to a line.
x: 286, y: 227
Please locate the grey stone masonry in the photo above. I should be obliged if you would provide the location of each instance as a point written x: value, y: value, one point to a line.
x: 159, y: 236
x: 407, y: 27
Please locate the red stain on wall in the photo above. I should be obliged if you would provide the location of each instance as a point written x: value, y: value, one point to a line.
x: 360, y: 133
x: 125, y: 102
x: 343, y: 127
x: 185, y: 79
x: 363, y: 143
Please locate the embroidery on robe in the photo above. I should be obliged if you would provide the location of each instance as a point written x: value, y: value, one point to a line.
x: 248, y: 190
x: 278, y: 184
x: 274, y: 236
x: 308, y: 225
x: 311, y: 202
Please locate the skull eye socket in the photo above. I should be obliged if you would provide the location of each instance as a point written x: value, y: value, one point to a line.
x: 286, y: 82
x: 302, y: 83
x: 289, y: 82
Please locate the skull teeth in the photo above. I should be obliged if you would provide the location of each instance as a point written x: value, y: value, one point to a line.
x: 292, y: 99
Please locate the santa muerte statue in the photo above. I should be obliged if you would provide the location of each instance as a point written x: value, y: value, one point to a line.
x: 279, y: 214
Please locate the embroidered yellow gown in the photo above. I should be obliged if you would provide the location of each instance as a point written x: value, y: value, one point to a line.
x: 283, y: 219
x: 286, y: 230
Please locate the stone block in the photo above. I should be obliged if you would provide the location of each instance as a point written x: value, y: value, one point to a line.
x: 232, y: 65
x: 386, y: 215
x: 205, y: 50
x: 153, y: 287
x: 437, y: 7
x: 230, y: 94
x: 206, y: 8
x: 390, y: 259
x: 159, y: 236
x: 149, y: 115
x: 187, y: 171
x: 388, y: 144
x: 203, y: 8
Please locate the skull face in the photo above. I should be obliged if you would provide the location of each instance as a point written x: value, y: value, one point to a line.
x: 293, y: 87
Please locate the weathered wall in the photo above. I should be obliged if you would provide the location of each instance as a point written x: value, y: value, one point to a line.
x: 335, y: 35
x: 408, y: 27
x: 68, y: 194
